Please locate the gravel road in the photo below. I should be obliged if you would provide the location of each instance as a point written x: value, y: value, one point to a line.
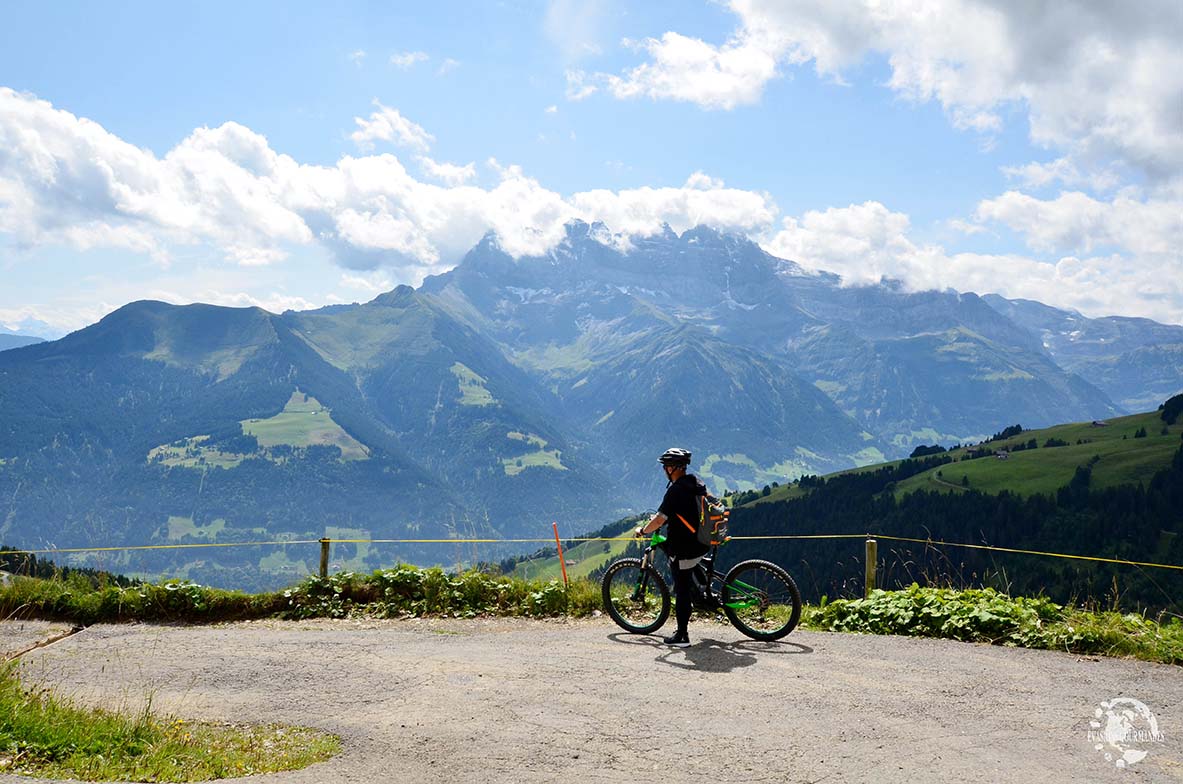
x: 512, y: 700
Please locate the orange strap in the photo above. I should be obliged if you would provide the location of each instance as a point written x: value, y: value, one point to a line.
x: 693, y: 530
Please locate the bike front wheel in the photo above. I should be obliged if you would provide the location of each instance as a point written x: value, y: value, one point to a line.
x: 761, y: 600
x: 636, y: 596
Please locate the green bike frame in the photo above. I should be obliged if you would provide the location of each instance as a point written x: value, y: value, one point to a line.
x: 750, y: 592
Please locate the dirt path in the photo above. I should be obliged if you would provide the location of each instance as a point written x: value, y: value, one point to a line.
x: 534, y: 701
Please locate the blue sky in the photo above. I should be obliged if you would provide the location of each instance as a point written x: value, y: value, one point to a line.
x: 296, y: 154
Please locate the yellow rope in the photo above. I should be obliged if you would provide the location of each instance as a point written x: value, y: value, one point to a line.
x: 804, y: 536
x: 934, y: 543
x: 927, y: 542
x: 158, y: 547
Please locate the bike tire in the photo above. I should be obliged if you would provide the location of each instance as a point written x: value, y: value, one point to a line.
x: 761, y: 600
x: 628, y: 593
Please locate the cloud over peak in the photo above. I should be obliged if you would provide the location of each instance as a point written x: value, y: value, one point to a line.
x: 66, y: 180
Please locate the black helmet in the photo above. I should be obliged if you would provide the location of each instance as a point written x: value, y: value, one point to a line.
x: 675, y: 457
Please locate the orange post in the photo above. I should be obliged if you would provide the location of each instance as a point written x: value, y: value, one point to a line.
x: 562, y: 562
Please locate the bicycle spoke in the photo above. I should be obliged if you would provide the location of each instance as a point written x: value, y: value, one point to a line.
x: 761, y: 600
x: 635, y: 597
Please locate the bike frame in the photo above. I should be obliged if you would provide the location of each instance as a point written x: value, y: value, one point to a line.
x: 714, y: 581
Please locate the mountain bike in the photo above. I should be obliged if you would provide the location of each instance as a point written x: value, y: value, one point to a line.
x: 758, y: 597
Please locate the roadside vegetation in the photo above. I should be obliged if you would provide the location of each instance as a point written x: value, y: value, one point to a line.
x: 970, y: 615
x: 988, y: 616
x: 49, y: 737
x: 402, y: 591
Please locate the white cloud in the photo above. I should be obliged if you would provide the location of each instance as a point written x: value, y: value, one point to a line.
x: 274, y: 302
x: 552, y: 109
x: 407, y: 60
x: 447, y: 66
x: 65, y: 180
x: 863, y: 242
x: 576, y: 27
x: 372, y: 283
x: 1077, y: 223
x: 52, y: 321
x: 867, y: 242
x: 1102, y: 80
x: 644, y: 211
x: 579, y: 85
x: 389, y: 125
x: 357, y: 57
x: 689, y: 69
x: 447, y: 173
x: 965, y: 227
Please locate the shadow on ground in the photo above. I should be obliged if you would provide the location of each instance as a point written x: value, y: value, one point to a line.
x: 709, y: 655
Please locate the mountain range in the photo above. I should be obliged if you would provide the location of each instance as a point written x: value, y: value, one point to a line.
x: 11, y: 340
x: 509, y: 392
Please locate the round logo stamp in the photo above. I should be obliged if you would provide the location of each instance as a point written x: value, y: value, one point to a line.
x: 1123, y: 729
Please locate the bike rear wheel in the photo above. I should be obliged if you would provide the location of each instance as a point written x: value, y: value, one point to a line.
x: 761, y: 600
x: 637, y: 598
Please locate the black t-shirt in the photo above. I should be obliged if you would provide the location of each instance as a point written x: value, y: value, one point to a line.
x: 681, y: 499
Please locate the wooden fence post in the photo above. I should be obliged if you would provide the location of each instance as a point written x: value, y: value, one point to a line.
x: 872, y: 561
x: 324, y: 557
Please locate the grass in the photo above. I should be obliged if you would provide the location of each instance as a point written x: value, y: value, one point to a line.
x: 782, y: 493
x: 279, y: 562
x: 192, y: 453
x: 588, y: 556
x: 45, y: 736
x: 472, y: 386
x: 529, y: 438
x: 361, y: 550
x: 541, y: 457
x: 1124, y: 459
x: 179, y: 527
x: 737, y: 471
x: 365, y: 337
x: 304, y: 422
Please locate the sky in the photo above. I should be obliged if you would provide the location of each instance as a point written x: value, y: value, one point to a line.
x: 299, y: 154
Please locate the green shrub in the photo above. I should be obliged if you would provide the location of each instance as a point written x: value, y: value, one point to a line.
x: 985, y: 615
x: 408, y: 590
x: 173, y: 600
x: 976, y: 615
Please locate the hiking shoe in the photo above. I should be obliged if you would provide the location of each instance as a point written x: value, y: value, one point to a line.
x: 679, y: 640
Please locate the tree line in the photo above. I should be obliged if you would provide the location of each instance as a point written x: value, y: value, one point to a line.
x: 1136, y: 522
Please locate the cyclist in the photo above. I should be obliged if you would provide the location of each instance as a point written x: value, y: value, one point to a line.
x: 680, y: 509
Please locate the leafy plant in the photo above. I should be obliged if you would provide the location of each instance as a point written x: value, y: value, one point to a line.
x: 410, y: 591
x: 986, y: 615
